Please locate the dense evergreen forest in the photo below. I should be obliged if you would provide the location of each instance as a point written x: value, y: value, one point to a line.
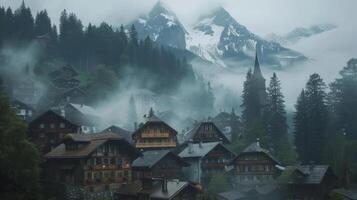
x: 96, y: 51
x: 109, y: 58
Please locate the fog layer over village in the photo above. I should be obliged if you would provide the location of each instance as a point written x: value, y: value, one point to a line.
x: 178, y: 99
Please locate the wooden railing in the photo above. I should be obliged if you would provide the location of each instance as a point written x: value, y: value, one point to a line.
x: 156, y: 144
x: 155, y: 135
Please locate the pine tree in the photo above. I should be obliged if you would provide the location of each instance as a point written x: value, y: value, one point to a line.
x: 311, y: 121
x: 343, y: 98
x: 301, y: 128
x: 276, y: 121
x: 19, y: 158
x: 42, y: 24
x: 132, y: 115
x: 246, y: 96
x: 133, y: 35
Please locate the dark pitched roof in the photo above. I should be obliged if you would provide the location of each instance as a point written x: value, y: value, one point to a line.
x: 153, y: 119
x: 256, y: 148
x: 118, y: 130
x: 191, y: 133
x: 248, y: 192
x: 51, y: 112
x: 93, y: 142
x: 200, y: 149
x: 312, y: 174
x: 347, y: 194
x: 174, y: 187
x: 151, y: 158
x: 22, y: 104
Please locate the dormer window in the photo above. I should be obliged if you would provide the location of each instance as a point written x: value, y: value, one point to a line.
x: 52, y: 125
x: 42, y: 125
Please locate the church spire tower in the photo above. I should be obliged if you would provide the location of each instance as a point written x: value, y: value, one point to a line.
x: 257, y: 73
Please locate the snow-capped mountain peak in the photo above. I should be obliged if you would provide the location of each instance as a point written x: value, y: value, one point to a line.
x: 216, y: 37
x: 162, y: 26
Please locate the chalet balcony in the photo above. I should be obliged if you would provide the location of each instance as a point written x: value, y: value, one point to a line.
x: 155, y: 144
x: 155, y: 135
x: 103, y: 166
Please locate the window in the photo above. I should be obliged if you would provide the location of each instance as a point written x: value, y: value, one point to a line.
x: 62, y: 125
x: 52, y: 125
x: 119, y: 162
x: 42, y: 125
x: 112, y: 161
x: 99, y: 161
x: 89, y: 176
x: 106, y: 161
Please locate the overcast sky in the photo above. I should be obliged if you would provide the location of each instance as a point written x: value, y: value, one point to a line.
x: 328, y: 52
x: 261, y: 16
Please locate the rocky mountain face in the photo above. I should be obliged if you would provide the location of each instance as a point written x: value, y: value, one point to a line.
x: 217, y: 38
x: 299, y: 33
x: 162, y: 26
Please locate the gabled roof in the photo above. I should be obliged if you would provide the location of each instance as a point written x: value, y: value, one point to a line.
x: 200, y: 149
x: 248, y: 192
x: 151, y: 158
x: 153, y: 119
x: 22, y: 104
x: 191, y: 133
x: 313, y: 174
x: 84, y: 109
x: 255, y: 148
x: 347, y: 194
x: 93, y: 141
x: 51, y: 112
x: 118, y: 130
x: 174, y: 187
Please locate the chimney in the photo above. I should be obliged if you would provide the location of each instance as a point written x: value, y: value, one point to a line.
x: 258, y: 143
x: 164, y: 185
x: 190, y: 146
x: 200, y: 144
x: 221, y: 140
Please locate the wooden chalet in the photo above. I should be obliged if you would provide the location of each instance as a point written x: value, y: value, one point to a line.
x: 205, y: 159
x: 206, y: 132
x: 74, y: 95
x: 155, y: 134
x: 158, y: 189
x: 229, y: 123
x: 158, y: 163
x: 254, y: 166
x: 47, y: 130
x: 88, y: 164
x: 308, y: 181
x: 81, y: 114
x: 23, y: 110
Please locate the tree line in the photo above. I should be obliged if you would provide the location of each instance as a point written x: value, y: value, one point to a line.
x: 118, y: 51
x: 324, y: 128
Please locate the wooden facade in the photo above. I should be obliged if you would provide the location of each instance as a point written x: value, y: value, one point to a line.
x: 254, y: 166
x: 158, y: 163
x: 155, y: 134
x: 48, y: 129
x: 309, y: 181
x: 205, y: 159
x: 94, y: 163
x: 206, y: 132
